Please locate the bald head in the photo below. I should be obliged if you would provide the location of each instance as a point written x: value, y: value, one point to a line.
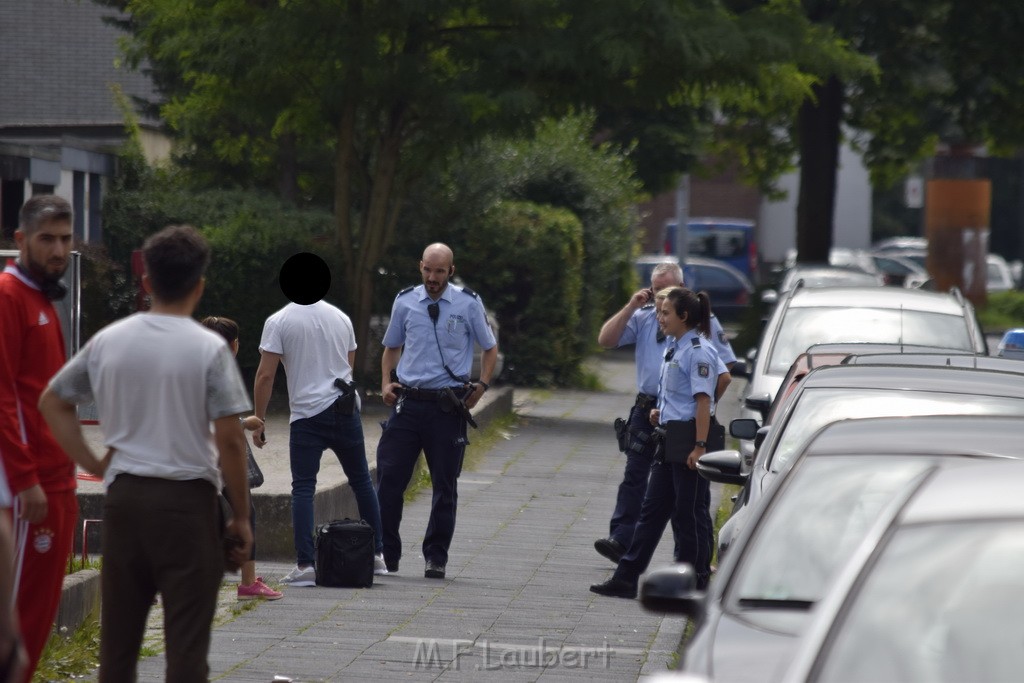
x: 436, y: 268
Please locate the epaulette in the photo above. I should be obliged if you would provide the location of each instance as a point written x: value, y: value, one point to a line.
x: 696, y: 342
x: 646, y: 307
x: 406, y: 290
x: 469, y: 291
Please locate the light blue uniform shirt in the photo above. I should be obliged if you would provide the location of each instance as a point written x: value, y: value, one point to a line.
x: 461, y: 322
x: 642, y: 330
x: 690, y: 369
x: 721, y: 342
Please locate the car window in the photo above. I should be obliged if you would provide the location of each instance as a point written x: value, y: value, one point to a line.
x: 803, y: 327
x: 815, y: 408
x: 716, y: 278
x: 806, y: 535
x: 721, y: 243
x: 888, y: 265
x: 938, y: 606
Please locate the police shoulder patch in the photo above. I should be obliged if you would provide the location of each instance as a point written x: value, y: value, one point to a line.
x: 721, y: 336
x: 703, y: 369
x: 406, y: 290
x: 469, y: 291
x: 696, y: 342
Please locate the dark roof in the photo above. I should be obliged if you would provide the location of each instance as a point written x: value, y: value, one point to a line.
x: 57, y: 64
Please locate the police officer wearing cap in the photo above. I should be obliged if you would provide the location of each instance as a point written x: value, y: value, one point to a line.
x: 637, y: 323
x: 686, y: 392
x: 429, y: 342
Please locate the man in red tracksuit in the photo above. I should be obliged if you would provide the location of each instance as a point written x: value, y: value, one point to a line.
x: 40, y: 474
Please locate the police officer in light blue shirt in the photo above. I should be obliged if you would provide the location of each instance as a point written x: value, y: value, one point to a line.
x: 637, y: 323
x: 675, y: 491
x: 429, y: 343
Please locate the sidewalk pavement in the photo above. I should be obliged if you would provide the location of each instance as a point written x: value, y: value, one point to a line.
x: 516, y: 602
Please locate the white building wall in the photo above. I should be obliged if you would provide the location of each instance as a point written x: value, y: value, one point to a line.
x: 852, y: 217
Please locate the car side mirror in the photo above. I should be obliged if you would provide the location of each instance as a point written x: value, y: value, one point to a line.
x: 673, y: 590
x: 744, y: 428
x: 739, y: 369
x: 762, y: 403
x: 722, y: 467
x: 770, y: 297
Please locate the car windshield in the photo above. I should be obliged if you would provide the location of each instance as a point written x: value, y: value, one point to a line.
x: 803, y: 327
x: 938, y: 606
x: 809, y: 532
x: 815, y: 408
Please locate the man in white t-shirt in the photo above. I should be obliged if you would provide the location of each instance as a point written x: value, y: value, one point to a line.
x: 159, y: 380
x: 316, y: 344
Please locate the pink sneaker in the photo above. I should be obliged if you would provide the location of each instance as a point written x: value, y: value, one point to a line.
x: 258, y: 590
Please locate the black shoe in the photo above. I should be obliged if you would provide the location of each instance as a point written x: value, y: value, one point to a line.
x: 434, y: 570
x: 610, y: 548
x: 392, y: 565
x: 615, y: 588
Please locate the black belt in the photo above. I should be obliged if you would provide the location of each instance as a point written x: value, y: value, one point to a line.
x: 414, y: 394
x: 645, y: 401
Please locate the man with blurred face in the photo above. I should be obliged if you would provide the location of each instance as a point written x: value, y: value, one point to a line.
x: 40, y: 474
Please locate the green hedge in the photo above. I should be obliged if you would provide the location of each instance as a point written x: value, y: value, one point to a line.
x: 250, y: 235
x: 526, y: 261
x: 1005, y: 310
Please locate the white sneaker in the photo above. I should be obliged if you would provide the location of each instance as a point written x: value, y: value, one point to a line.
x: 379, y: 568
x: 300, y: 577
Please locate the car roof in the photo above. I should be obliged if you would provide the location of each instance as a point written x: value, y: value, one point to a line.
x: 939, y: 358
x: 876, y: 297
x: 869, y: 349
x: 981, y: 491
x: 977, y: 435
x: 917, y: 378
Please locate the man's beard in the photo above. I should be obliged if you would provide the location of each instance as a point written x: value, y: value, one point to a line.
x: 38, y: 271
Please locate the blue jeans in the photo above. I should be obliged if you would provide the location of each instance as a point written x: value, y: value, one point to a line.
x: 310, y: 437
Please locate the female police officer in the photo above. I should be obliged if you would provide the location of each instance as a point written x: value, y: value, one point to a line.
x: 686, y: 392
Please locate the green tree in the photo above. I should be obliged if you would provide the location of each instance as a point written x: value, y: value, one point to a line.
x: 377, y: 92
x: 941, y: 72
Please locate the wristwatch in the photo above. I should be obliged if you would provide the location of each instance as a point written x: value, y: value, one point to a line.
x: 702, y: 444
x: 484, y: 384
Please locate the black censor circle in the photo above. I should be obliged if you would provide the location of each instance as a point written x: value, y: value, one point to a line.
x: 305, y: 278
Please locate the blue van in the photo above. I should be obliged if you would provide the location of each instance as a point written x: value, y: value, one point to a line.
x: 724, y: 239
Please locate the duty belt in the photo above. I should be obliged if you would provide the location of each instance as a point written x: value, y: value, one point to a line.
x: 645, y: 401
x: 414, y: 394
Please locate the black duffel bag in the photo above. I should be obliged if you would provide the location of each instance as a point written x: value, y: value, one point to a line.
x: 344, y: 554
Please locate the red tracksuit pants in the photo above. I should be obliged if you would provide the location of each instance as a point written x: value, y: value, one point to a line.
x: 40, y: 563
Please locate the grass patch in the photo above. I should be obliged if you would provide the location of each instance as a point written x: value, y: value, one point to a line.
x: 68, y: 657
x: 480, y: 442
x: 723, y: 512
x: 75, y: 564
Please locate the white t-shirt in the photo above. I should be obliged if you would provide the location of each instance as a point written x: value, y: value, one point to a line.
x: 158, y: 381
x: 314, y: 342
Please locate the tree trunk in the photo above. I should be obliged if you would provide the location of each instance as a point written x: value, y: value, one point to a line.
x: 288, y: 165
x: 819, y: 128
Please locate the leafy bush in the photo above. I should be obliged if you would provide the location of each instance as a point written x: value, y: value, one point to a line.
x: 1004, y: 311
x: 535, y: 288
x: 250, y: 234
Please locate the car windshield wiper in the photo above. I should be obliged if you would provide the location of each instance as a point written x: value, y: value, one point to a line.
x: 769, y: 603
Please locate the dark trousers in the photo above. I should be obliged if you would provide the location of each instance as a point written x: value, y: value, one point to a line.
x: 675, y: 492
x: 631, y: 491
x: 634, y: 480
x: 159, y: 536
x: 420, y: 426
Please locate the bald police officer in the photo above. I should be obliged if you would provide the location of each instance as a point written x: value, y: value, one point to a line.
x: 429, y: 342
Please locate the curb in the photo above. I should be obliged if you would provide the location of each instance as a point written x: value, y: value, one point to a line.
x: 79, y: 598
